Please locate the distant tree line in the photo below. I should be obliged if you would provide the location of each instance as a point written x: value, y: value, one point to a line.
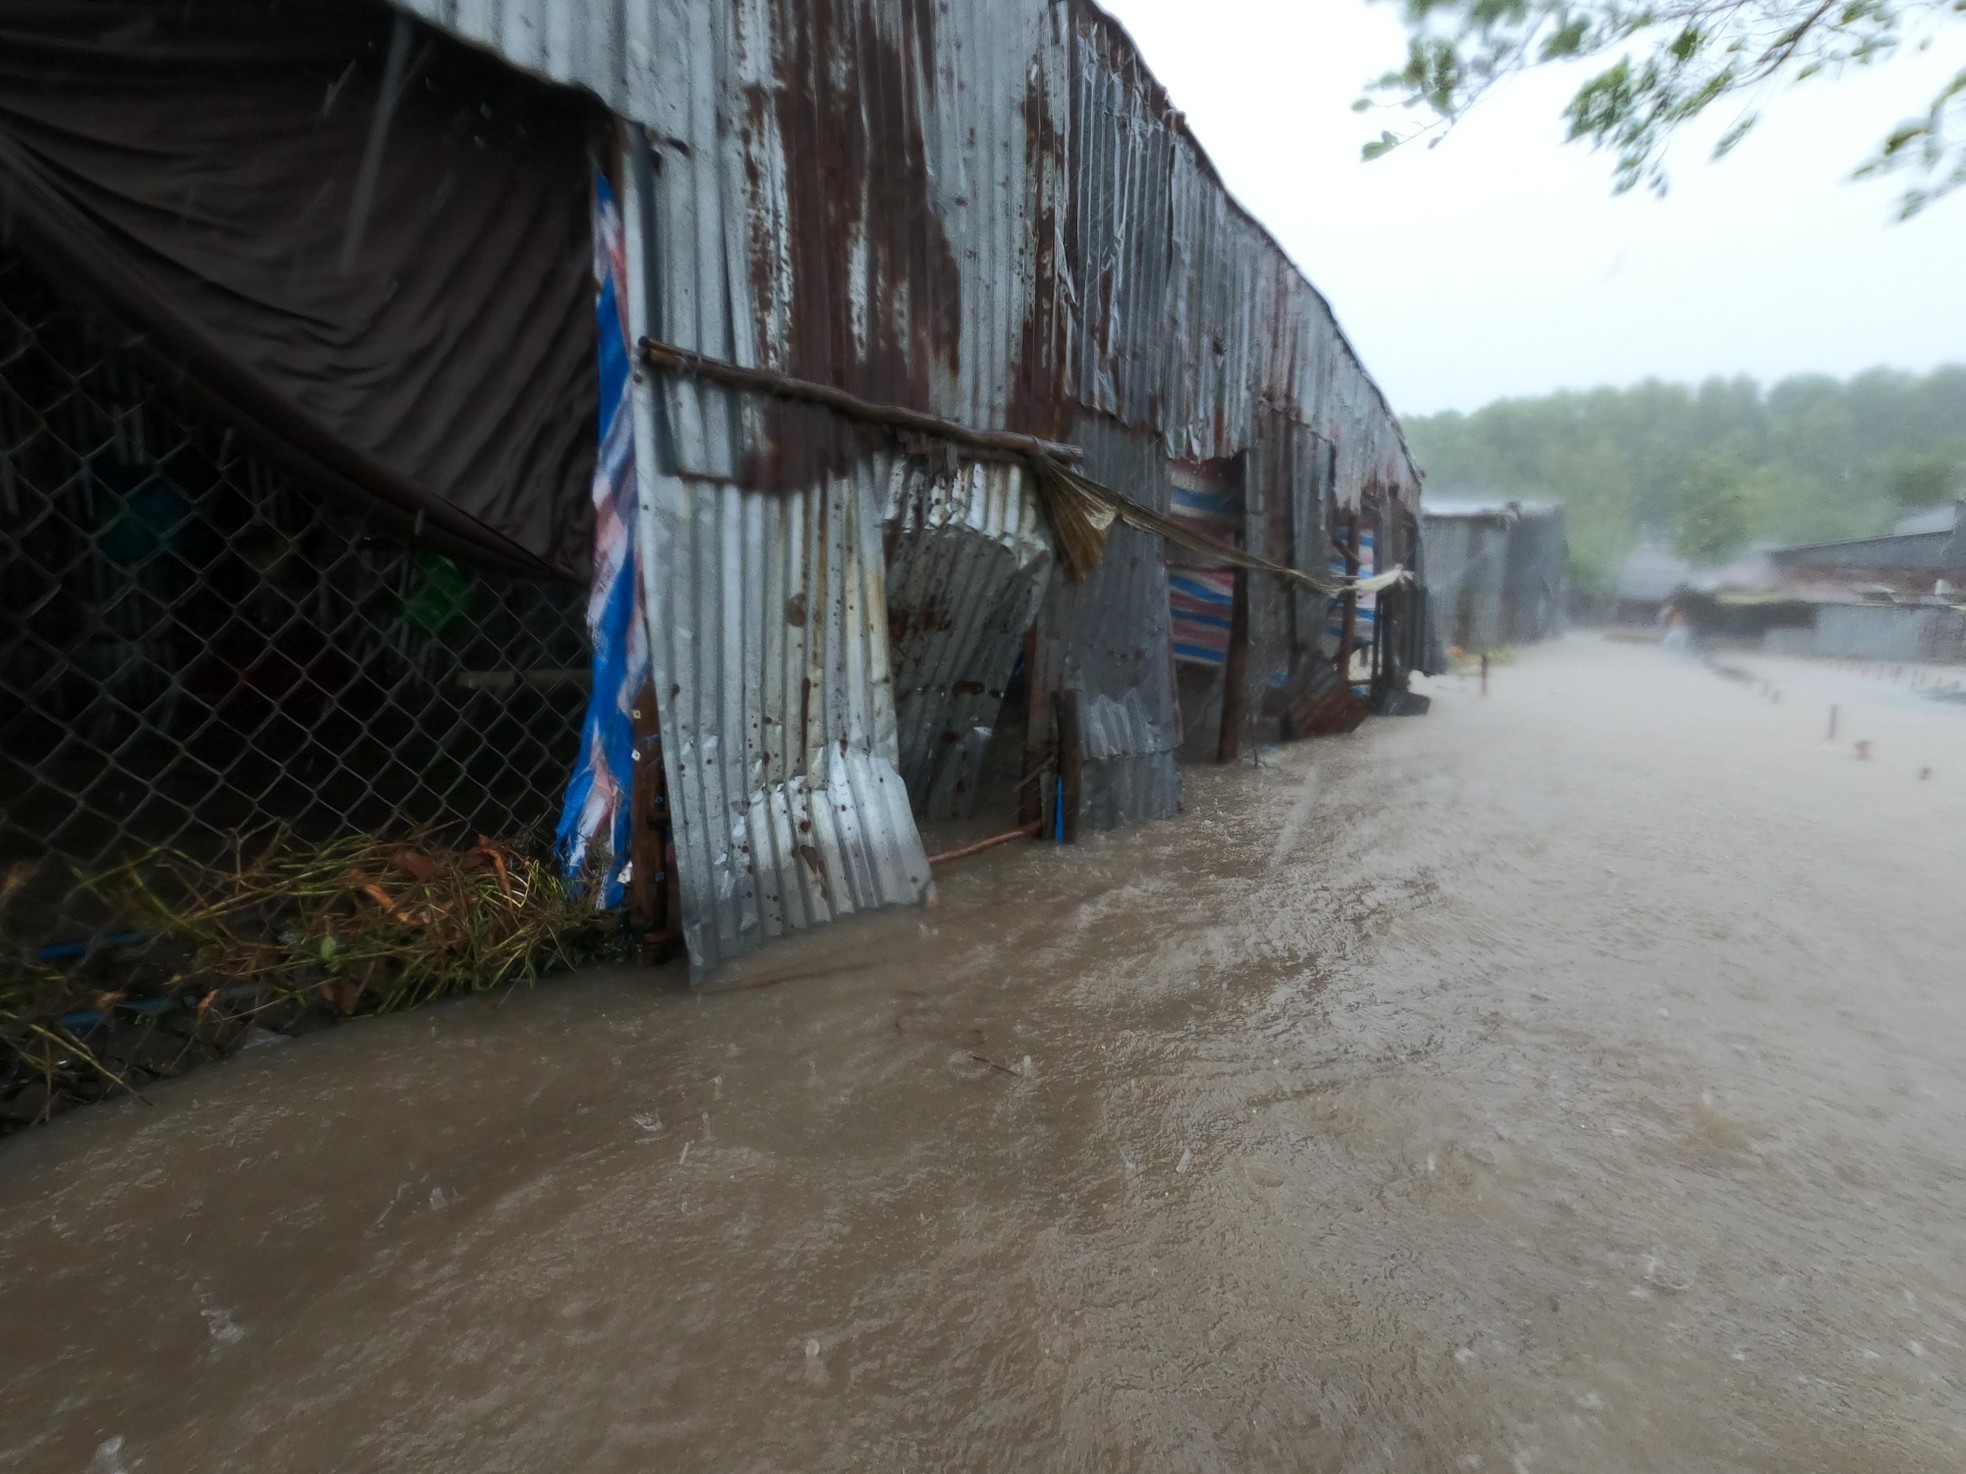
x: 1713, y: 469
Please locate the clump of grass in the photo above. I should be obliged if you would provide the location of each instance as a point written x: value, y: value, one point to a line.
x: 286, y: 930
x: 361, y: 924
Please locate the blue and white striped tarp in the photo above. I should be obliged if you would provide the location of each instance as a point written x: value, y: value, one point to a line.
x: 1201, y: 594
x: 595, y: 817
x: 1201, y: 602
x: 1368, y: 603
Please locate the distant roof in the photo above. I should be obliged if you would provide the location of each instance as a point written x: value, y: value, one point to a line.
x: 1433, y: 506
x: 1934, y: 519
x: 1652, y: 572
x: 1936, y: 549
x: 1751, y: 570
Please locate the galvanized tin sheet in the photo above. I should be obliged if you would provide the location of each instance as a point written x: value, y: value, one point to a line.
x: 989, y: 210
x: 969, y: 557
x: 863, y: 195
x: 1494, y: 580
x: 768, y: 618
x: 769, y: 655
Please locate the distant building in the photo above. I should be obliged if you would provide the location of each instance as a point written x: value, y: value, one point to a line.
x: 1494, y: 573
x: 1651, y: 575
x: 1899, y: 597
x: 1925, y: 558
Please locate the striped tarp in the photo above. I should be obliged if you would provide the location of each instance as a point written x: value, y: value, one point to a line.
x: 1368, y: 601
x: 1201, y: 602
x: 1201, y: 595
x: 595, y: 819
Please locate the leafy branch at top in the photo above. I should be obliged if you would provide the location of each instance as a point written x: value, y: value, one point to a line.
x: 1666, y: 63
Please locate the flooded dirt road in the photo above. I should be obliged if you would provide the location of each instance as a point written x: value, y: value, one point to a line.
x: 1571, y: 1080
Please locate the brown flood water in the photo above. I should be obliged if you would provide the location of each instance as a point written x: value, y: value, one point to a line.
x: 1570, y: 1080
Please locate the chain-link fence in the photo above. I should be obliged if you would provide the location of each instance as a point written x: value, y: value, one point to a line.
x: 192, y: 645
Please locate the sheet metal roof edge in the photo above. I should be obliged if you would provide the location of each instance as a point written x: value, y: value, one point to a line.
x: 1943, y: 535
x: 1447, y: 508
x: 1178, y: 120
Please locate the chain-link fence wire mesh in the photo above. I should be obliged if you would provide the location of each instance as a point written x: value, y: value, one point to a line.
x: 193, y: 646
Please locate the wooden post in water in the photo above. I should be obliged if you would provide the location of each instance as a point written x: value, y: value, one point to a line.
x: 1484, y: 672
x: 648, y: 821
x: 1071, y: 762
x: 1235, y: 675
x: 1348, y: 630
x: 1032, y: 788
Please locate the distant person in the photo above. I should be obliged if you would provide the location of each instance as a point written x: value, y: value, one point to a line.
x: 1679, y: 633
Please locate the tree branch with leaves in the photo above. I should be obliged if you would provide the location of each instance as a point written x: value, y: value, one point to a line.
x: 1668, y: 63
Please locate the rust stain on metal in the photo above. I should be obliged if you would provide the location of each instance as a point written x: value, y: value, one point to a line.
x: 875, y: 288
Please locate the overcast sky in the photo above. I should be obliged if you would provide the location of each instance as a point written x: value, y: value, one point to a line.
x: 1499, y: 264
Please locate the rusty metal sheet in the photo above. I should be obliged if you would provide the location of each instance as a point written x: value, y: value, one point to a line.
x: 769, y: 655
x: 1190, y: 316
x: 862, y: 194
x: 989, y: 210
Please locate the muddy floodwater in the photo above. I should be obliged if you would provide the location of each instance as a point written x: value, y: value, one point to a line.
x: 1570, y: 1080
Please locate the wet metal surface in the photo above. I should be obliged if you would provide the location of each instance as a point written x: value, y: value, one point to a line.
x: 989, y: 209
x: 1586, y: 1098
x: 968, y: 555
x: 1494, y: 575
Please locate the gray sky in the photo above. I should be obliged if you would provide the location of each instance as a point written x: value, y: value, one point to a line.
x: 1499, y: 264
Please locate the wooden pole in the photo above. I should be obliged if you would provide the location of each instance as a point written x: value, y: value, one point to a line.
x: 1235, y: 676
x: 671, y: 359
x: 648, y: 821
x: 1349, y: 633
x: 963, y: 852
x: 1071, y: 762
x: 1030, y: 791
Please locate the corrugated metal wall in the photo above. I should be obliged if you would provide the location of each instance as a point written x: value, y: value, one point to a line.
x: 1494, y: 580
x: 769, y: 657
x: 969, y: 558
x: 772, y: 670
x: 1465, y: 561
x: 990, y: 206
x: 1191, y: 321
x: 1107, y: 638
x: 1289, y: 518
x: 1532, y: 594
x: 987, y: 209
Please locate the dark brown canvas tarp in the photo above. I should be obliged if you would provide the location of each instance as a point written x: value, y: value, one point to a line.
x: 416, y: 333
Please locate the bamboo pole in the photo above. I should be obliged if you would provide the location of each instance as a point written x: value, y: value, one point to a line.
x: 963, y: 852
